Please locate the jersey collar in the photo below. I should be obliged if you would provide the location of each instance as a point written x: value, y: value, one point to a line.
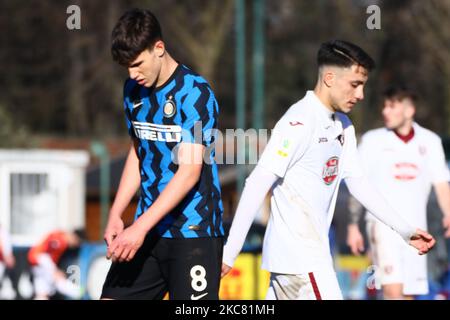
x: 406, y: 138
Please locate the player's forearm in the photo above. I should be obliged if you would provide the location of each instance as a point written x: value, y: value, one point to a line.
x: 442, y: 190
x: 256, y: 187
x: 372, y: 200
x: 355, y: 210
x: 176, y: 190
x: 129, y: 184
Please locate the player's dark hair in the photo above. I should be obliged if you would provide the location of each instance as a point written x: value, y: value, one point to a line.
x: 136, y: 31
x: 399, y: 92
x: 343, y: 54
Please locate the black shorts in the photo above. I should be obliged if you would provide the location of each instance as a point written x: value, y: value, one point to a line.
x: 189, y: 269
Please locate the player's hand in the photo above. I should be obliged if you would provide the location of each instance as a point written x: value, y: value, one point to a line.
x: 225, y: 270
x: 446, y: 224
x: 125, y: 245
x: 113, y: 229
x: 422, y: 241
x: 355, y: 239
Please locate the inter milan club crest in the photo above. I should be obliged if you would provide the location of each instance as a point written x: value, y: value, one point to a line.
x: 330, y: 170
x: 169, y: 107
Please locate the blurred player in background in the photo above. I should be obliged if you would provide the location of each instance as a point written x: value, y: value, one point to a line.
x: 175, y: 243
x: 403, y: 160
x: 312, y: 148
x: 7, y: 260
x: 44, y: 257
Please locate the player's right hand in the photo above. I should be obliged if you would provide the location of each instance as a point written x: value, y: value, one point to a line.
x: 114, y: 227
x: 355, y: 239
x: 422, y: 241
x: 225, y: 270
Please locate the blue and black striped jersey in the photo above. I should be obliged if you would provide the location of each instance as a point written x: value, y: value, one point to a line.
x: 182, y: 110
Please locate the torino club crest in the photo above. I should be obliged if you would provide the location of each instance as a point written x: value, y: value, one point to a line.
x: 330, y: 170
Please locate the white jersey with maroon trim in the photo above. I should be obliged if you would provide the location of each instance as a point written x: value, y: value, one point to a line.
x: 404, y: 172
x: 311, y: 149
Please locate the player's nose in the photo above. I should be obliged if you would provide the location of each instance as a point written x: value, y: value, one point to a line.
x: 359, y: 94
x: 133, y: 73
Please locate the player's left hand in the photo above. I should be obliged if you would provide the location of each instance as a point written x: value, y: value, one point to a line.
x: 124, y: 246
x: 446, y: 224
x: 422, y: 241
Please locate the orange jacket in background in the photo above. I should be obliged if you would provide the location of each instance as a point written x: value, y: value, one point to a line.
x: 54, y: 244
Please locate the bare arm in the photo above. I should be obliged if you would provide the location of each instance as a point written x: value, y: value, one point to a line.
x: 442, y: 190
x: 129, y: 183
x: 355, y: 239
x: 183, y: 181
x: 190, y: 157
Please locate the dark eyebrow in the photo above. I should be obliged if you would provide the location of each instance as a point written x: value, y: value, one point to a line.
x: 136, y: 64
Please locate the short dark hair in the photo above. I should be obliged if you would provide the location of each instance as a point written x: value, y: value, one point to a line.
x: 399, y: 92
x: 136, y: 31
x: 343, y: 54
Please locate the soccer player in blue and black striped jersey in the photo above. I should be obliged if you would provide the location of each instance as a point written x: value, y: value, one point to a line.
x: 175, y: 243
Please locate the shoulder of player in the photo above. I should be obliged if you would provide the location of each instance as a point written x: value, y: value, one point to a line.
x: 426, y: 133
x: 192, y: 79
x: 297, y: 118
x: 131, y: 90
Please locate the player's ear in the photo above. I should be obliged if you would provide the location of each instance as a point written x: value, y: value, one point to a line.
x: 159, y: 48
x: 329, y: 77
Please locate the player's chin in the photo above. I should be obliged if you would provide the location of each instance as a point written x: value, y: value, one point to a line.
x: 347, y: 108
x: 350, y: 106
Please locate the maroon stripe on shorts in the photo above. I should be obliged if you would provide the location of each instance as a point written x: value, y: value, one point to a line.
x: 314, y: 285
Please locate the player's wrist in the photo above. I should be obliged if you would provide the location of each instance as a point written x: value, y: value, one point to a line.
x: 142, y: 225
x: 353, y: 225
x: 115, y: 214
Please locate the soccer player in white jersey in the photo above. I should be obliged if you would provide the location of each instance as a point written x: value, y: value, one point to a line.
x: 404, y: 160
x: 311, y: 149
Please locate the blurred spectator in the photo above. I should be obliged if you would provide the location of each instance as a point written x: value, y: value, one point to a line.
x: 44, y: 257
x: 404, y: 160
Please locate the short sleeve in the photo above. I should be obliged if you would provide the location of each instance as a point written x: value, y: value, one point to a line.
x: 199, y: 116
x: 287, y: 144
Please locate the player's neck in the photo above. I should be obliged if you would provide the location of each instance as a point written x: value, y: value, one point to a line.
x: 405, y: 133
x: 168, y: 67
x: 323, y: 97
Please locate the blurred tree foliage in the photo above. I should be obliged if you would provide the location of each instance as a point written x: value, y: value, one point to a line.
x: 13, y: 135
x: 64, y: 82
